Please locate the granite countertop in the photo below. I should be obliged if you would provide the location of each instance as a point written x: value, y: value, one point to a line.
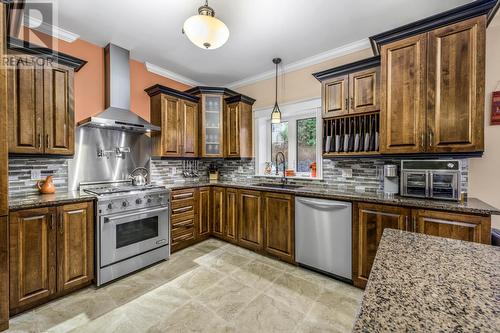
x: 41, y: 200
x: 472, y: 205
x: 422, y: 283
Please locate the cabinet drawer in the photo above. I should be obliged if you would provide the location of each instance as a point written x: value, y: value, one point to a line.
x: 182, y: 235
x: 183, y: 206
x: 183, y: 221
x: 183, y: 194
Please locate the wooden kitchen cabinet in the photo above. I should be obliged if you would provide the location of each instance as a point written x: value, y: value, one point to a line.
x: 4, y: 271
x: 219, y: 211
x: 204, y: 212
x: 335, y: 96
x: 176, y: 114
x: 239, y: 127
x: 41, y: 108
x: 456, y: 74
x: 369, y: 222
x: 51, y: 253
x: 250, y: 220
x: 33, y: 261
x: 470, y: 228
x: 433, y: 91
x: 279, y: 224
x: 75, y: 246
x: 231, y: 221
x: 212, y: 125
x: 403, y: 95
x: 184, y: 219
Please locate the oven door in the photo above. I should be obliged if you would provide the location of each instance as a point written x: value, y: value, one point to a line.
x: 414, y: 184
x: 132, y: 233
x: 444, y: 185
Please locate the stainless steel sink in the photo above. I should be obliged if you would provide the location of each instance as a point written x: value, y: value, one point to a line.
x: 283, y: 186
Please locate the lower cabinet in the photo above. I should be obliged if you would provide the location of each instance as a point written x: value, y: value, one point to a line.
x: 250, y: 219
x: 370, y: 220
x: 51, y: 253
x: 232, y: 221
x: 184, y: 219
x: 204, y: 212
x: 279, y: 225
x: 218, y: 211
x: 4, y: 272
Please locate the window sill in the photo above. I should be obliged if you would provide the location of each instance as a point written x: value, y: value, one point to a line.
x: 290, y: 177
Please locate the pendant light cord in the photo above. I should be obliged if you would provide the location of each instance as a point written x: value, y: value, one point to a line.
x: 276, y: 85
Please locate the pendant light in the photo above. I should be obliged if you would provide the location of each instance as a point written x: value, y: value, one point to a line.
x: 204, y: 30
x: 276, y: 114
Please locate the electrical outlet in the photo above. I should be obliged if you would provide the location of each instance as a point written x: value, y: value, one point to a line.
x: 36, y: 174
x: 360, y: 189
x: 347, y: 173
x: 240, y: 169
x: 174, y: 170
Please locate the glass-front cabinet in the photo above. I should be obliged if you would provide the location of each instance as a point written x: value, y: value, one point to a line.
x: 212, y: 126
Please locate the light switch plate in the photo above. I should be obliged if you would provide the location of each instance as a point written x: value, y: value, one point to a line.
x: 360, y: 189
x: 36, y: 174
x: 347, y: 173
x: 174, y: 170
x: 240, y: 169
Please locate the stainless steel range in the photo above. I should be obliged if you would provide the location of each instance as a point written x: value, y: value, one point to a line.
x: 132, y: 227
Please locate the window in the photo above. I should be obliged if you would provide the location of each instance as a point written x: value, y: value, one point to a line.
x: 296, y: 137
x: 306, y: 144
x: 279, y: 143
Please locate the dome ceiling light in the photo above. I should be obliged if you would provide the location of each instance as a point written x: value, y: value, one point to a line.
x: 205, y: 30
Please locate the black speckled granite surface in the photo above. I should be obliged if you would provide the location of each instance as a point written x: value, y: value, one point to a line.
x: 42, y: 200
x: 472, y: 205
x: 422, y: 283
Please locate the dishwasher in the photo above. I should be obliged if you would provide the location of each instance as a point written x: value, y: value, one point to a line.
x: 323, y: 236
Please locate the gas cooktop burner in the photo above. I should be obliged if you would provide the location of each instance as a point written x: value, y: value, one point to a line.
x: 120, y: 189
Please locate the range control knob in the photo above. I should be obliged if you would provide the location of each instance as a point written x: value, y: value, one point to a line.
x: 149, y: 200
x: 125, y: 203
x: 110, y: 205
x: 138, y: 201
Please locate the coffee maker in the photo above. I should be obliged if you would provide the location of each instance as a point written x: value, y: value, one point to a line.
x: 391, y: 179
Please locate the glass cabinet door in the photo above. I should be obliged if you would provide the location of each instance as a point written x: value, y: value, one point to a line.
x: 415, y: 184
x: 212, y: 125
x: 444, y: 185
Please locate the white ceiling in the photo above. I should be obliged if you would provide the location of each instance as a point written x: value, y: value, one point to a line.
x: 259, y: 30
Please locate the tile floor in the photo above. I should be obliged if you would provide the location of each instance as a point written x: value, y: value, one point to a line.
x: 210, y: 287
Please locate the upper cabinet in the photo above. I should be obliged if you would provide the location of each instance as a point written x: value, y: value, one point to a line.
x: 201, y: 122
x: 177, y: 116
x: 40, y: 101
x: 433, y: 90
x: 351, y: 89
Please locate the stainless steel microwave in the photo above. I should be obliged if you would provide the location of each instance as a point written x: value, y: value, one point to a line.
x: 435, y: 179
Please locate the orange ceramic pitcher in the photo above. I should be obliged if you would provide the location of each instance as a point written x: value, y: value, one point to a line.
x: 47, y: 186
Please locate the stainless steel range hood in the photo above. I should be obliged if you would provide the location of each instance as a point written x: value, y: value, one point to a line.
x: 117, y: 115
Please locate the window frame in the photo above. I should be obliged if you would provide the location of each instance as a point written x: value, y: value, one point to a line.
x: 291, y: 112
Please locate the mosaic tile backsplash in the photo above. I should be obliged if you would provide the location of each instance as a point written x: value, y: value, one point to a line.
x: 20, y: 182
x: 366, y: 173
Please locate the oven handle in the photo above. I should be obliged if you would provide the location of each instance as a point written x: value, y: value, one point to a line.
x: 113, y: 218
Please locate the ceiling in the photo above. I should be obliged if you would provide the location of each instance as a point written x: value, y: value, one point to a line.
x: 259, y: 30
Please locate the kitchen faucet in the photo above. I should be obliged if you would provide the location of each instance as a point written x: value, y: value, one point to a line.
x: 283, y: 179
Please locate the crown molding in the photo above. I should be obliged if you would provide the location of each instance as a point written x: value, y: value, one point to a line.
x: 306, y: 62
x: 50, y: 29
x: 152, y: 68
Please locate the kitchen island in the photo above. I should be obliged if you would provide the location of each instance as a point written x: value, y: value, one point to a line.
x: 422, y: 283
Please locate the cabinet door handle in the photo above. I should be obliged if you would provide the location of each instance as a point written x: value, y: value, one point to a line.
x: 406, y: 223
x: 182, y: 196
x: 347, y: 103
x: 352, y: 103
x: 423, y: 139
x: 39, y: 141
x: 414, y: 224
x: 430, y: 138
x: 183, y: 209
x: 47, y: 141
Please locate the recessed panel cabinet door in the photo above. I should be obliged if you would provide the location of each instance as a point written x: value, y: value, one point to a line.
x: 32, y: 257
x: 456, y: 86
x: 75, y: 245
x: 364, y: 91
x: 203, y: 212
x: 25, y: 107
x: 171, y: 121
x: 335, y: 96
x: 250, y: 220
x: 233, y: 130
x: 231, y: 225
x: 59, y: 110
x: 219, y: 214
x: 279, y: 225
x: 369, y: 223
x: 189, y: 129
x: 456, y: 226
x: 403, y: 95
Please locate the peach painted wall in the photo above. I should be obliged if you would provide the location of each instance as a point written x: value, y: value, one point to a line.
x: 89, y: 81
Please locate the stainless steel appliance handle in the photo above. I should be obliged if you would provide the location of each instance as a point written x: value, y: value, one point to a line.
x: 430, y: 183
x: 322, y: 204
x: 149, y: 212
